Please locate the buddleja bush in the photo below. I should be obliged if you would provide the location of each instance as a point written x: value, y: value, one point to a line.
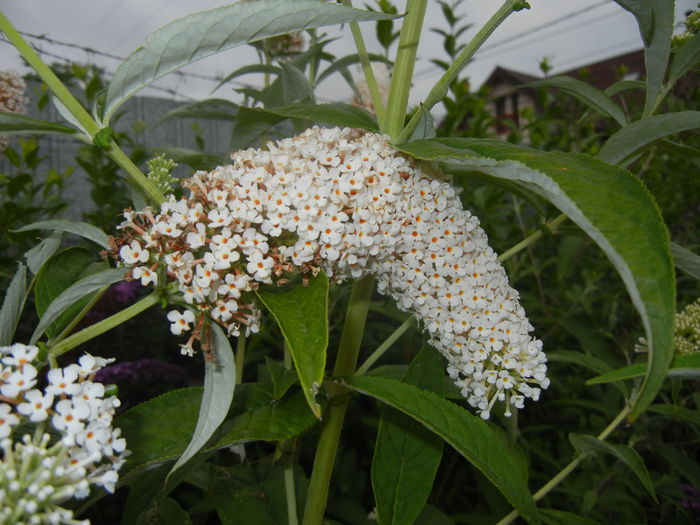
x: 264, y: 245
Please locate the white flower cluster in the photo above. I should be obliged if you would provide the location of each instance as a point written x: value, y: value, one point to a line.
x: 349, y: 203
x: 12, y: 99
x: 39, y: 471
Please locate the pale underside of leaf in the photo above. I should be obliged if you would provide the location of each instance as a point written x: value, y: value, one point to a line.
x: 202, y: 34
x: 219, y: 384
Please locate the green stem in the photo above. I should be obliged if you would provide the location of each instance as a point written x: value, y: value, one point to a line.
x: 379, y: 352
x: 68, y: 329
x: 439, y: 90
x: 240, y: 358
x: 367, y: 70
x: 48, y: 76
x: 531, y: 239
x: 403, y: 68
x: 345, y: 363
x: 101, y: 327
x: 568, y: 469
x: 290, y: 492
x: 136, y: 177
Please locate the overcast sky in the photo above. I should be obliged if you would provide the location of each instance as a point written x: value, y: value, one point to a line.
x: 570, y: 33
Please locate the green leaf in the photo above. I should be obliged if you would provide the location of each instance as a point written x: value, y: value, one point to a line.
x: 658, y: 50
x: 295, y: 86
x: 626, y: 142
x: 11, y: 124
x: 586, y: 93
x: 282, y: 377
x: 682, y: 366
x: 623, y: 85
x: 12, y: 305
x: 686, y: 414
x: 202, y: 34
x: 56, y: 275
x: 83, y: 229
x: 686, y: 260
x: 345, y: 115
x: 560, y: 517
x: 242, y: 495
x: 160, y: 429
x: 425, y: 129
x: 302, y: 315
x: 74, y: 293
x: 210, y: 109
x: 251, y: 124
x: 276, y: 421
x: 39, y: 254
x: 485, y: 446
x: 578, y: 358
x: 219, y: 384
x: 585, y: 443
x: 607, y: 202
x: 164, y: 511
x: 406, y: 454
x: 642, y: 11
x: 685, y: 59
x: 245, y: 70
x: 347, y: 61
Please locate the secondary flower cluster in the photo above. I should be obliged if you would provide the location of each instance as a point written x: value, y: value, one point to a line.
x: 12, y: 99
x: 347, y: 202
x: 38, y: 470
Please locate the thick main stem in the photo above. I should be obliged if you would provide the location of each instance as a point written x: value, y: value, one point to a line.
x: 403, y: 69
x: 345, y: 363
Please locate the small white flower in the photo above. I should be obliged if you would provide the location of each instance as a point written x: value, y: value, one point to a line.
x: 35, y: 405
x: 7, y: 420
x: 180, y: 321
x: 133, y: 253
x: 146, y: 275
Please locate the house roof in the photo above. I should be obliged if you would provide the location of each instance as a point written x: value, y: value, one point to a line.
x: 599, y: 74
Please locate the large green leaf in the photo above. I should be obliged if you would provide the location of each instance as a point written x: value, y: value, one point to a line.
x: 585, y: 443
x: 406, y: 454
x: 219, y: 384
x: 82, y: 229
x: 302, y: 315
x: 682, y: 366
x: 686, y: 260
x: 627, y: 141
x: 202, y: 34
x: 586, y: 93
x: 160, y: 429
x: 11, y: 124
x: 12, y: 305
x: 58, y: 273
x: 485, y: 446
x: 611, y: 206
